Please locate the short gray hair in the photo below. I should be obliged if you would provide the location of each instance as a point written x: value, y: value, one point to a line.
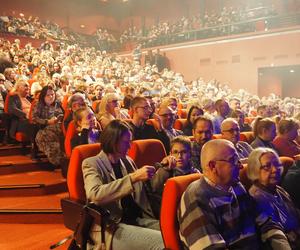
x: 253, y: 170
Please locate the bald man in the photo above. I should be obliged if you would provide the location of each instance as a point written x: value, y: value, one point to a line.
x: 230, y: 130
x: 215, y: 211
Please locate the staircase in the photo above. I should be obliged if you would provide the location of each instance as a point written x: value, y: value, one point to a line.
x: 30, y: 193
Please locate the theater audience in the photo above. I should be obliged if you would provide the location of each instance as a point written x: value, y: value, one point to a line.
x: 240, y: 117
x: 264, y: 131
x: 167, y: 117
x: 223, y: 110
x: 202, y: 133
x: 278, y: 218
x: 216, y: 212
x: 231, y: 131
x: 194, y: 112
x: 48, y: 114
x: 141, y: 110
x: 111, y: 180
x: 87, y: 127
x: 284, y: 142
x: 175, y: 164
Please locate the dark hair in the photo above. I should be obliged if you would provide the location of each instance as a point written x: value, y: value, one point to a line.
x: 184, y: 140
x: 287, y: 125
x: 260, y: 124
x: 191, y: 110
x: 44, y: 93
x: 136, y: 100
x: 203, y: 118
x: 127, y: 101
x: 111, y: 135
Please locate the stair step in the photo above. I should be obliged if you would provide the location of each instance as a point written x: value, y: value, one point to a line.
x: 21, y: 163
x: 14, y: 149
x: 32, y: 236
x: 32, y: 184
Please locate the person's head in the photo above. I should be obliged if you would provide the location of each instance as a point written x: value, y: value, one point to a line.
x: 230, y: 130
x: 222, y: 107
x: 98, y: 91
x: 84, y: 118
x: 141, y: 108
x: 235, y: 103
x: 56, y: 67
x: 170, y: 102
x: 127, y: 101
x: 181, y: 150
x: 288, y: 128
x: 47, y: 96
x: 108, y: 104
x: 264, y: 166
x: 264, y: 128
x: 2, y: 78
x: 76, y: 101
x: 220, y: 162
x: 10, y: 74
x: 22, y: 87
x: 167, y: 116
x: 202, y: 130
x: 116, y: 138
x: 239, y: 116
x: 194, y: 112
x: 263, y: 111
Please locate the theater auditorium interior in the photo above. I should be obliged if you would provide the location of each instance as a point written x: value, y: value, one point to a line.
x: 125, y: 124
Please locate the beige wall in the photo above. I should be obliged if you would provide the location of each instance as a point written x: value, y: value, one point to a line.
x: 236, y: 61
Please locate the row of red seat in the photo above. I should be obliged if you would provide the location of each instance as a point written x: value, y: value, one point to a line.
x: 147, y: 152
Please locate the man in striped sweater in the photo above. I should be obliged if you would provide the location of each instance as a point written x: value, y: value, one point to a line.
x: 215, y: 211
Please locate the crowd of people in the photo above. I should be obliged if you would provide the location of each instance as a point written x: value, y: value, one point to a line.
x: 114, y: 99
x: 223, y: 23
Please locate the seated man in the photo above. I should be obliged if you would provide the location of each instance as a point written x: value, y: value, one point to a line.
x: 202, y: 132
x: 215, y: 211
x: 141, y: 110
x: 230, y: 130
x: 168, y: 118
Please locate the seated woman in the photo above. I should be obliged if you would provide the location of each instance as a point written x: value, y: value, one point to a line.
x: 277, y: 217
x: 48, y: 114
x: 176, y: 164
x: 112, y: 181
x: 86, y: 127
x: 109, y: 109
x: 264, y: 131
x: 284, y: 142
x: 193, y: 113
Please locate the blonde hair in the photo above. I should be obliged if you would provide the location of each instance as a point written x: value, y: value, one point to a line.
x: 102, y: 109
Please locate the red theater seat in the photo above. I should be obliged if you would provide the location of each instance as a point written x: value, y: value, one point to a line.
x: 173, y: 191
x: 147, y: 152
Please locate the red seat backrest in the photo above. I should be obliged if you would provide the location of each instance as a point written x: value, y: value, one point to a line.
x: 247, y: 136
x: 75, y: 178
x: 182, y: 113
x: 173, y: 191
x: 71, y: 131
x: 180, y: 124
x: 147, y: 152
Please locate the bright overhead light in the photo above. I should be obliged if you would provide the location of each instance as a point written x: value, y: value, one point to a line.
x: 292, y: 71
x: 272, y: 64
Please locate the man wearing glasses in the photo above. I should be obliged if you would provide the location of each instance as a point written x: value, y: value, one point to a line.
x: 215, y: 211
x: 230, y: 130
x: 141, y: 111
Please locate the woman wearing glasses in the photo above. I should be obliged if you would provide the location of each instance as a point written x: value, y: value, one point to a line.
x: 277, y: 217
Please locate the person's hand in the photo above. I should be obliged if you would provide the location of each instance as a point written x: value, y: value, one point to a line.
x: 52, y: 121
x: 142, y: 174
x: 169, y: 162
x: 159, y: 121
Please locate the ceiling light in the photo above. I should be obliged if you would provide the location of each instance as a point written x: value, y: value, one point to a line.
x: 292, y: 71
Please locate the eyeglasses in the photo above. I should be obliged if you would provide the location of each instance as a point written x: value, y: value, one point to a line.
x: 145, y: 108
x: 168, y: 115
x: 268, y: 166
x: 235, y: 161
x: 232, y: 130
